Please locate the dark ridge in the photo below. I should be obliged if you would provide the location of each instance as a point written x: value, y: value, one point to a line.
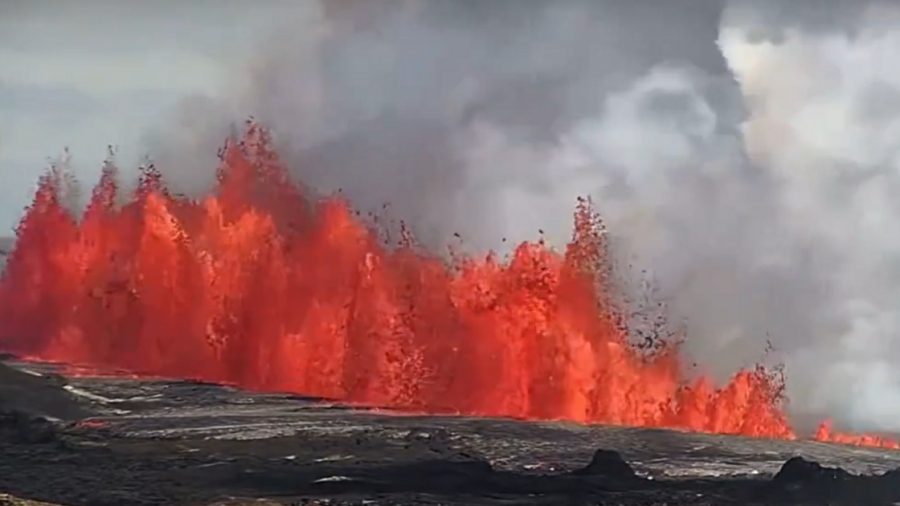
x: 38, y: 396
x: 807, y: 482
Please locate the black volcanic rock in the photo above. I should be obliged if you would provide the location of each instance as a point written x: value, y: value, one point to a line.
x: 801, y: 472
x: 608, y: 464
x: 19, y: 427
x: 37, y: 396
x: 803, y: 480
x: 808, y: 482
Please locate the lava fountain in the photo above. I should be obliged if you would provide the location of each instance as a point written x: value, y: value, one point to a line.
x: 268, y: 286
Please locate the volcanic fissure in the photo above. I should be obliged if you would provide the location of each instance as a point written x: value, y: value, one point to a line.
x: 268, y: 286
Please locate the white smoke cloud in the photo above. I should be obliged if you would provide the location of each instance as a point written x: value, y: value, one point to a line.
x: 824, y: 122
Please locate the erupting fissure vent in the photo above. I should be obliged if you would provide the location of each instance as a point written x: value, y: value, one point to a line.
x: 265, y: 285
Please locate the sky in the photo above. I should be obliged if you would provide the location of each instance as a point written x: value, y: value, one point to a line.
x: 88, y: 75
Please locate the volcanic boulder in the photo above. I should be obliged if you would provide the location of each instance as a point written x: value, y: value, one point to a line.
x: 801, y: 480
x: 801, y: 472
x: 608, y: 464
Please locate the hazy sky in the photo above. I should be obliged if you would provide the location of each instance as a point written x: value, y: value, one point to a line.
x: 84, y: 75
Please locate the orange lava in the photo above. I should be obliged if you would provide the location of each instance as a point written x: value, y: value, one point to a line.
x: 265, y: 285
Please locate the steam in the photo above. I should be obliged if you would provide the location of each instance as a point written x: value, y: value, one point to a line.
x: 744, y: 156
x: 826, y: 105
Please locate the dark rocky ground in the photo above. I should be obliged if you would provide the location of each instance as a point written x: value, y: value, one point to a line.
x: 120, y: 442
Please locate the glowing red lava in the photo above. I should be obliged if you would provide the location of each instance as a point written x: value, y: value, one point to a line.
x: 264, y: 285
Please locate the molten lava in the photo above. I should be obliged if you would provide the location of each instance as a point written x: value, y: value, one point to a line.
x: 263, y: 285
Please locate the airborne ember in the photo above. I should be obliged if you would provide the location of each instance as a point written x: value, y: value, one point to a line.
x: 267, y: 286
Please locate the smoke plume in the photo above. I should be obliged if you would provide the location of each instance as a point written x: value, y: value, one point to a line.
x: 825, y: 103
x: 743, y: 155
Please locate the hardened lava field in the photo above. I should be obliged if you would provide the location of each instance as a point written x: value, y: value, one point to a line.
x: 137, y: 441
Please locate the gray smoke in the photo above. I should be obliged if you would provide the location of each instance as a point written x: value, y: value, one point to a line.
x: 743, y: 155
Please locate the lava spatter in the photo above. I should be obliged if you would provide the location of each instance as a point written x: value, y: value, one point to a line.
x: 268, y: 286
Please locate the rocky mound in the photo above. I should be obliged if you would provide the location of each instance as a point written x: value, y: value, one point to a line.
x: 804, y: 481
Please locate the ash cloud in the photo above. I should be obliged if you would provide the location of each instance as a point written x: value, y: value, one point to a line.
x: 742, y: 153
